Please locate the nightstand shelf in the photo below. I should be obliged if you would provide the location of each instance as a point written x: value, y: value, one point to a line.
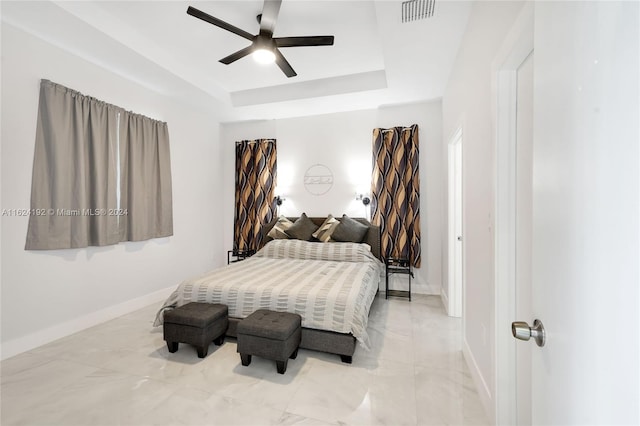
x: 239, y: 255
x: 394, y: 265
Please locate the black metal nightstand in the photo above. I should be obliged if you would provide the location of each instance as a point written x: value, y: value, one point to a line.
x: 395, y: 265
x: 239, y: 255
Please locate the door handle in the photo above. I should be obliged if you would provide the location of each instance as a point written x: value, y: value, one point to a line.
x: 522, y: 331
x: 460, y: 238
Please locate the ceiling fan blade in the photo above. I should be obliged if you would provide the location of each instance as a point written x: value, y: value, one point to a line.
x: 284, y: 65
x: 237, y: 55
x: 304, y: 41
x: 218, y: 22
x: 269, y: 16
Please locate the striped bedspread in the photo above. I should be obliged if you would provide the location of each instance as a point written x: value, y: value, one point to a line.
x: 330, y: 285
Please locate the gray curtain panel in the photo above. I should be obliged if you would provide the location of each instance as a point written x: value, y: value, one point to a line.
x: 82, y: 185
x: 145, y: 176
x: 74, y: 171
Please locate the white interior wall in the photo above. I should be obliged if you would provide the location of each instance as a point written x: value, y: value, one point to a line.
x: 342, y: 142
x: 49, y: 294
x: 467, y: 104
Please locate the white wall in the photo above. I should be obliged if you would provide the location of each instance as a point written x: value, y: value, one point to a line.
x: 343, y: 142
x: 467, y: 103
x: 48, y: 294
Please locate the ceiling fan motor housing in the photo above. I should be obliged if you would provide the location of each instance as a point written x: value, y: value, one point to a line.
x: 264, y: 41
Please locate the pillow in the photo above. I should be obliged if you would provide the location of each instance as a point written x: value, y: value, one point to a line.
x: 279, y: 229
x: 302, y: 229
x: 308, y: 250
x: 267, y: 227
x: 349, y: 230
x: 326, y: 229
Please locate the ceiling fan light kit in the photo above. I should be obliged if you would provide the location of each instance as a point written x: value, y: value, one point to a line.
x: 264, y: 50
x: 264, y: 56
x: 264, y: 47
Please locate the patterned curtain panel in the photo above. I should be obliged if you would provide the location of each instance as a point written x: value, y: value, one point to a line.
x: 255, y: 187
x: 395, y: 190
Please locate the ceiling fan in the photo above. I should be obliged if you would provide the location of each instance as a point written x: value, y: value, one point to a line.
x: 264, y: 46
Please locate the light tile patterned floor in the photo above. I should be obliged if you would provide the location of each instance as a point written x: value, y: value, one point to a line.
x: 120, y: 373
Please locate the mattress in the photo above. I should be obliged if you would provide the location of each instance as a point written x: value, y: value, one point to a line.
x: 330, y: 285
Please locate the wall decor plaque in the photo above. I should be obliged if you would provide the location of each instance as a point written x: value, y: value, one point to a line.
x: 318, y: 179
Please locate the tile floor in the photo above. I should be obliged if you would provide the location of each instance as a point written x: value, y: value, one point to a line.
x: 120, y: 373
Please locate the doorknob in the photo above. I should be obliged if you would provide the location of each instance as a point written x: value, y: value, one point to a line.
x: 522, y: 331
x: 460, y: 238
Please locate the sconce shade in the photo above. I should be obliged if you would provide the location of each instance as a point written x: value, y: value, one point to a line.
x: 364, y: 198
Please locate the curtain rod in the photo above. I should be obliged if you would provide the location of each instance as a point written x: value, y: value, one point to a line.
x: 91, y: 98
x: 256, y: 141
x: 391, y: 130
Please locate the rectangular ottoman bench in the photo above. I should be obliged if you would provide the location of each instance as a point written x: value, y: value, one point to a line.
x: 197, y: 324
x: 271, y: 335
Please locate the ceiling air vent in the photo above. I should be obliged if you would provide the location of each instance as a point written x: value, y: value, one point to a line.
x: 413, y: 10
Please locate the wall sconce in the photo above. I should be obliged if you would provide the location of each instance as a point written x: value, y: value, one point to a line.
x: 279, y: 200
x: 364, y: 198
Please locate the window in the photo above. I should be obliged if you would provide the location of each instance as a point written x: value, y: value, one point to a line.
x: 101, y: 175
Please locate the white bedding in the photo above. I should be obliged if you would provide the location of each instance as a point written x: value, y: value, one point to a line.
x: 330, y: 285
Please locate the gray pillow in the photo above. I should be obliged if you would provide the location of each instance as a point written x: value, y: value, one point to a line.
x: 302, y: 229
x: 349, y: 230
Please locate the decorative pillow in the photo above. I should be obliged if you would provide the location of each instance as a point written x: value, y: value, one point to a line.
x: 302, y: 229
x: 349, y: 230
x: 267, y: 227
x: 279, y: 230
x: 308, y: 250
x: 326, y: 229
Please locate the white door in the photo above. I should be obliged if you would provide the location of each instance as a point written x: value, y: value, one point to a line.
x: 455, y: 270
x: 514, y: 72
x: 585, y: 212
x: 585, y: 217
x: 524, y: 210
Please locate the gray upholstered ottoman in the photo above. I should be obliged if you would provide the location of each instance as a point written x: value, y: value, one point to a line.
x: 197, y: 324
x: 271, y: 335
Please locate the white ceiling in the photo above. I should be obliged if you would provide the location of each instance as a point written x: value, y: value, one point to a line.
x: 375, y: 60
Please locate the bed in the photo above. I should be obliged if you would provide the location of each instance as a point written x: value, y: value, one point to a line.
x: 330, y: 285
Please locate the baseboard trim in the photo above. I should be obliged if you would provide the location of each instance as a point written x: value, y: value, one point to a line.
x: 445, y: 300
x: 418, y: 284
x: 427, y: 289
x: 478, y: 380
x: 39, y: 338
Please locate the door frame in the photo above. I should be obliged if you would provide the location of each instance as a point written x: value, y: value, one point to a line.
x: 518, y: 45
x: 455, y: 213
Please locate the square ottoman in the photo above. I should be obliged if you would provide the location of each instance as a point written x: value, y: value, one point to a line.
x: 271, y: 335
x: 197, y: 324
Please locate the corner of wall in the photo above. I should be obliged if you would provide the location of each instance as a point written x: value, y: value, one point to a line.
x: 445, y: 299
